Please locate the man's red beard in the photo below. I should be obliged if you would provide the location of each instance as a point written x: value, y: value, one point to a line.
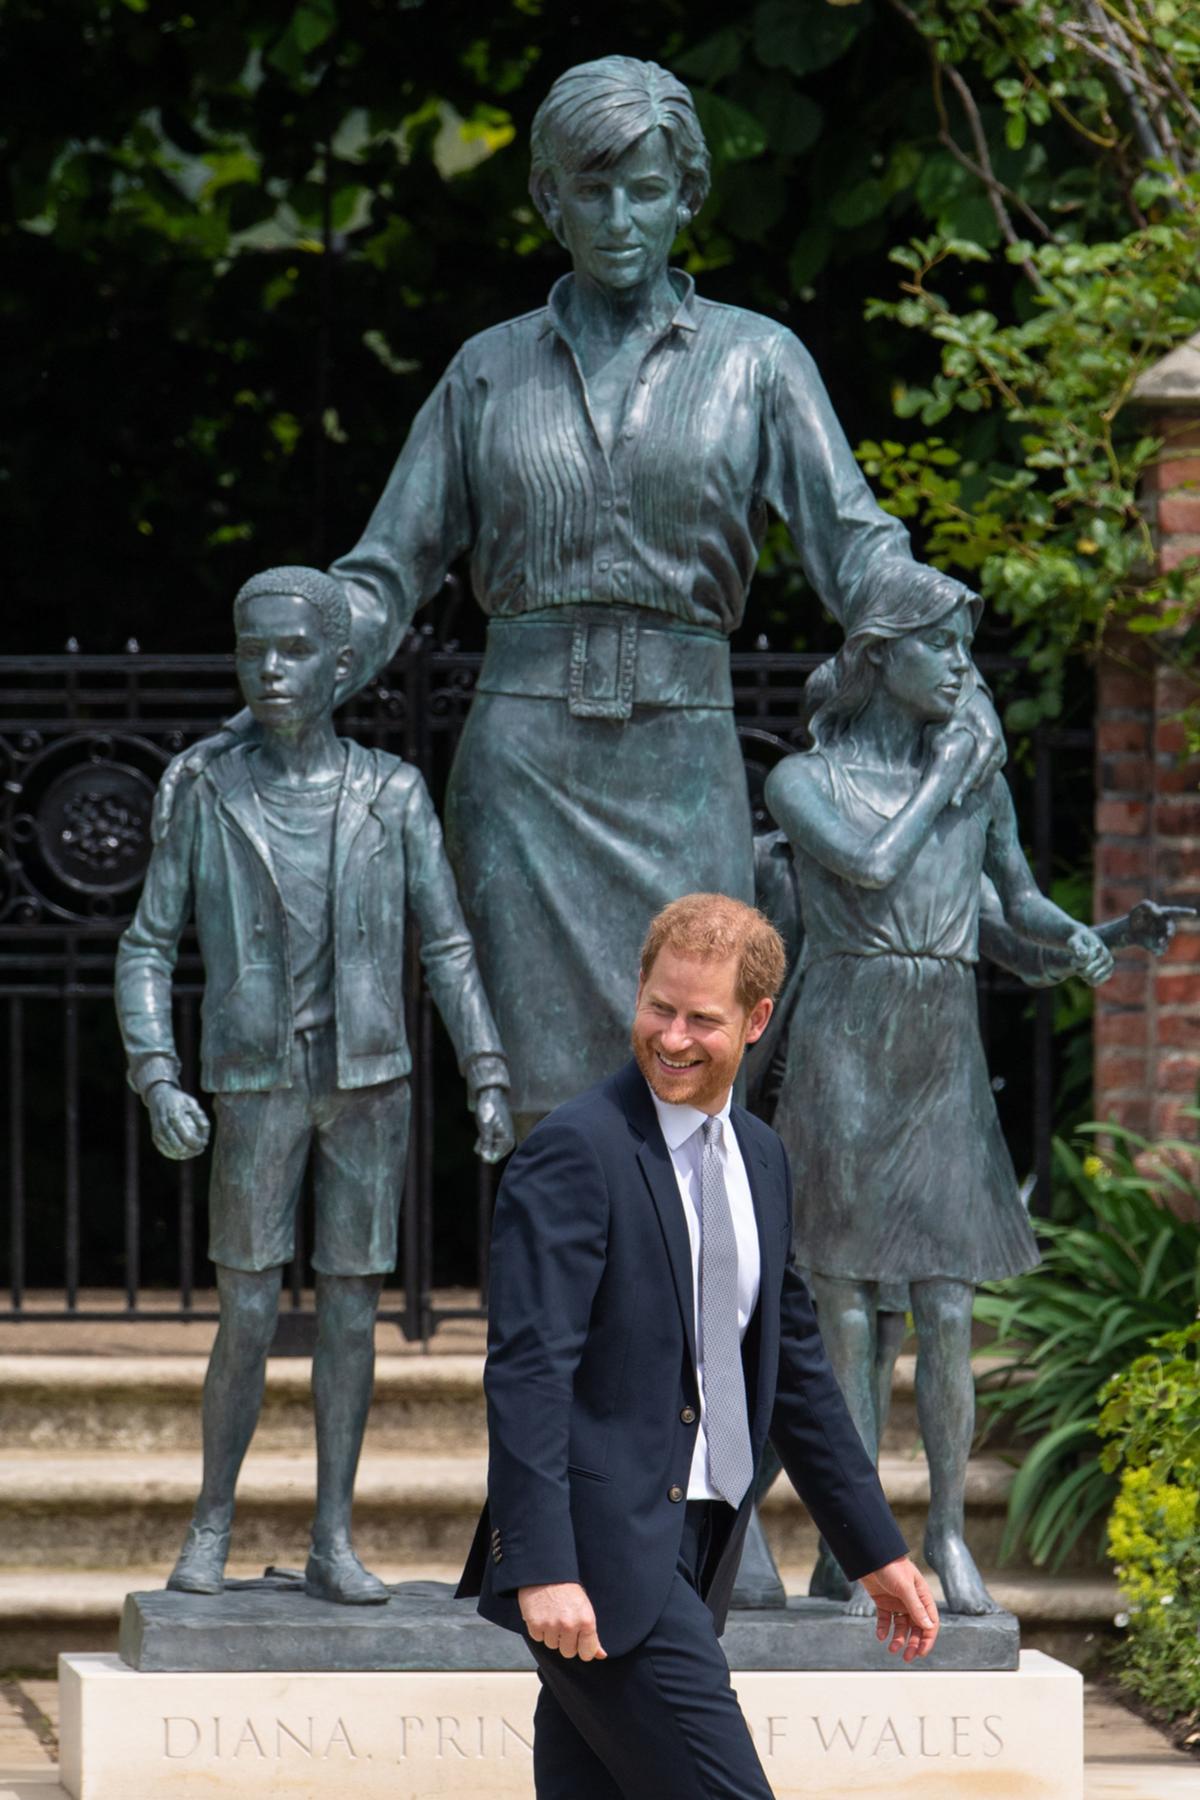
x: 703, y: 1087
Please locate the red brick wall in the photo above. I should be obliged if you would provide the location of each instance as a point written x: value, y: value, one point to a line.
x: 1147, y: 1029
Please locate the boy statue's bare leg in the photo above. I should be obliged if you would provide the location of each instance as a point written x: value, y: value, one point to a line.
x: 233, y: 1391
x: 946, y: 1412
x: 343, y: 1378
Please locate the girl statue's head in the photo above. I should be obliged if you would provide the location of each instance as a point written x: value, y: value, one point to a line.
x: 901, y: 598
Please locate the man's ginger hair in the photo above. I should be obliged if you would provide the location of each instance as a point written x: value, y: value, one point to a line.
x: 713, y: 927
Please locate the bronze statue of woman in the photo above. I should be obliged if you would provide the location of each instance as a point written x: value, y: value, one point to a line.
x: 608, y: 465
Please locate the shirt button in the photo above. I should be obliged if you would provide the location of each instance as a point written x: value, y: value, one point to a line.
x: 627, y: 437
x: 675, y: 1493
x: 602, y: 565
x: 688, y: 1416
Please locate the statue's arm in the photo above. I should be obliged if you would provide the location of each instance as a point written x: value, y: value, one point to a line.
x: 420, y: 525
x: 148, y: 950
x: 447, y: 949
x: 1030, y: 912
x: 809, y: 476
x: 797, y: 798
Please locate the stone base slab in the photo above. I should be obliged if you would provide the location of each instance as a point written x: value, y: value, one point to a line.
x: 418, y: 1735
x: 270, y: 1625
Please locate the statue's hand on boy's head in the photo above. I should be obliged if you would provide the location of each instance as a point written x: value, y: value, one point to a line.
x: 178, y: 1124
x: 493, y: 1123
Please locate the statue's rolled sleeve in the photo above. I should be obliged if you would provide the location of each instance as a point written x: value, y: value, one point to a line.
x: 811, y: 479
x: 421, y: 524
x: 148, y: 950
x: 447, y: 949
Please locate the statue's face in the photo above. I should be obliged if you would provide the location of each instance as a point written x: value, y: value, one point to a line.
x: 287, y: 667
x: 928, y: 671
x: 619, y: 223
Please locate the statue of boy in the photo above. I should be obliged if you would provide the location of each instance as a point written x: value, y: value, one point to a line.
x: 297, y: 854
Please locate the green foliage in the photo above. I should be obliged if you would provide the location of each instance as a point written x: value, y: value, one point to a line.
x: 1036, y: 497
x: 1151, y: 1415
x: 1123, y: 1270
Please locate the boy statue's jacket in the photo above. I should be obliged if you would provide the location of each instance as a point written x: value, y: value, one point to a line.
x: 214, y: 860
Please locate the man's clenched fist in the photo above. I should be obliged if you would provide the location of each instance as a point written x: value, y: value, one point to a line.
x: 560, y: 1616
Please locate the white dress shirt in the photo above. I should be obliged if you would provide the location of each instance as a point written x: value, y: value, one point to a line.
x: 681, y: 1129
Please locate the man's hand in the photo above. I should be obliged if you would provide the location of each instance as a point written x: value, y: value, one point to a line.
x: 560, y: 1616
x: 1090, y: 956
x: 494, y: 1127
x: 978, y: 716
x: 904, y: 1608
x: 177, y: 1124
x: 193, y: 761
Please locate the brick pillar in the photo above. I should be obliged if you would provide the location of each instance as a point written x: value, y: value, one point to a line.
x: 1147, y: 1025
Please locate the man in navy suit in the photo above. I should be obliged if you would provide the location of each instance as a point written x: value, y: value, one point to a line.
x: 639, y: 1229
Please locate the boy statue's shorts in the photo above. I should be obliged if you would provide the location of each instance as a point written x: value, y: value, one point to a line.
x: 359, y: 1143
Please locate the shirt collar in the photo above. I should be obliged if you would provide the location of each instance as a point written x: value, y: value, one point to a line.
x: 686, y: 316
x: 679, y: 1123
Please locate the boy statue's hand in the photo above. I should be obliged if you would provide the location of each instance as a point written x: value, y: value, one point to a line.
x: 178, y: 1125
x: 1151, y: 926
x: 494, y: 1126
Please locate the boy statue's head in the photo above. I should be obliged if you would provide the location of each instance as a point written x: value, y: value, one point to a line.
x: 293, y: 646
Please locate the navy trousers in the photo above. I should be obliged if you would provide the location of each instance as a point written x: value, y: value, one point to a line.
x: 659, y: 1723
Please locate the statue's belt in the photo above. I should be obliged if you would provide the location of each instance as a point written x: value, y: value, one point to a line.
x: 604, y: 662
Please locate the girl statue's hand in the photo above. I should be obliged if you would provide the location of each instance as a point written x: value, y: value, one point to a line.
x: 1091, y: 955
x: 951, y: 753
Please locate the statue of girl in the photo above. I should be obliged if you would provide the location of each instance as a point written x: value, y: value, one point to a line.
x: 902, y: 1173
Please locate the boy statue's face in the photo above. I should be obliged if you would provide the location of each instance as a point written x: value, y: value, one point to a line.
x: 287, y: 668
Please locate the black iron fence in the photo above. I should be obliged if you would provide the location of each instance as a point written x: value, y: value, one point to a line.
x: 93, y: 1212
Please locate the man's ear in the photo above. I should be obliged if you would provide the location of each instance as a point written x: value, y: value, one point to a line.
x: 760, y: 1016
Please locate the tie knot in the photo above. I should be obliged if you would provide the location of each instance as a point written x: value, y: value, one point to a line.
x: 710, y: 1131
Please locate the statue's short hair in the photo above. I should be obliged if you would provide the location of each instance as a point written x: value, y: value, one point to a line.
x: 321, y: 591
x: 713, y: 927
x: 598, y: 110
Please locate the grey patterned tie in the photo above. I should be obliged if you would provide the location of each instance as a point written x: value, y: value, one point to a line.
x: 730, y: 1464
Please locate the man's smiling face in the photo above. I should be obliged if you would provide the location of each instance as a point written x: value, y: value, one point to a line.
x: 690, y: 1028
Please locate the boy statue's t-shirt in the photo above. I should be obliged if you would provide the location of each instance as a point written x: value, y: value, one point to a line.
x: 300, y: 826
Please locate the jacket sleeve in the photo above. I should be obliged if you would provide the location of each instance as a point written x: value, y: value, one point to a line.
x: 548, y: 1257
x: 818, y: 1444
x: 148, y: 948
x: 421, y: 523
x: 447, y: 951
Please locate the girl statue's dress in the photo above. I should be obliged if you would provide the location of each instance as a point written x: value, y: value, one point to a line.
x: 902, y: 1172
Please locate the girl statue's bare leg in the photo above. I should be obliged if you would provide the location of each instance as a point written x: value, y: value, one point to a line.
x: 847, y: 1311
x: 946, y: 1412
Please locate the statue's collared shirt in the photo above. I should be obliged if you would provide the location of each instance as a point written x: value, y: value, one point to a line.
x: 728, y: 422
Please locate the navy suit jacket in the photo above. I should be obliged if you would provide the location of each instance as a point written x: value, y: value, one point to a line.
x: 591, y: 1384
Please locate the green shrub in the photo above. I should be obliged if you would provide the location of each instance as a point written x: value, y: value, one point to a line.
x: 1122, y: 1272
x: 1151, y: 1414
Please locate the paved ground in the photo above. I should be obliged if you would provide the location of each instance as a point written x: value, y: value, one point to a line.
x: 1126, y: 1760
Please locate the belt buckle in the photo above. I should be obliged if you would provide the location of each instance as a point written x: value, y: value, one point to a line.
x: 618, y: 704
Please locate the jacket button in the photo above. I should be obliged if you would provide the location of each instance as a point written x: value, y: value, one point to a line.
x: 675, y: 1493
x: 688, y: 1416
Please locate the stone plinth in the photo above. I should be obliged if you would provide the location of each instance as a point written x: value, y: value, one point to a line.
x: 271, y: 1626
x: 418, y: 1735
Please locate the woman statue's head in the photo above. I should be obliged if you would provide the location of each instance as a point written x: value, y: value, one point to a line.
x: 910, y: 631
x: 623, y: 115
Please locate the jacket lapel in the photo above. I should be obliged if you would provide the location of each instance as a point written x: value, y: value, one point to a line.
x: 230, y: 776
x: 659, y: 1171
x: 359, y: 787
x: 767, y: 1218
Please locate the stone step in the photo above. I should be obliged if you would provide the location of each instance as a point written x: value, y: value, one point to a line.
x: 141, y: 1403
x: 149, y: 1403
x: 116, y: 1509
x: 47, y: 1611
